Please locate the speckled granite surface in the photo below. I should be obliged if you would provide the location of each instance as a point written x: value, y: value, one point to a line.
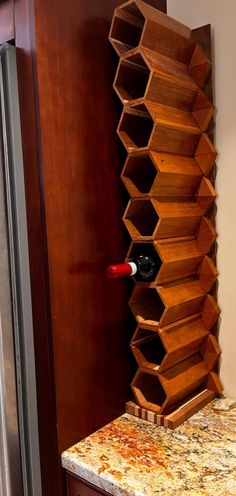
x: 132, y: 457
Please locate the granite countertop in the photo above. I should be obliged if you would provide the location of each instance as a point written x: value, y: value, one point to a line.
x: 132, y: 457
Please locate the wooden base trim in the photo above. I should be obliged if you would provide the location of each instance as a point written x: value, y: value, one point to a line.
x: 178, y: 416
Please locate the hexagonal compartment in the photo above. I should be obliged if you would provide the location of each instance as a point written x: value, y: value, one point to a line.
x: 146, y: 305
x: 132, y: 78
x: 145, y: 249
x: 127, y: 28
x: 147, y: 348
x: 140, y: 170
x: 148, y: 391
x: 135, y: 127
x: 141, y: 217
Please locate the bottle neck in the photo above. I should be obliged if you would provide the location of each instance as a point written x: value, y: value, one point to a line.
x: 143, y: 266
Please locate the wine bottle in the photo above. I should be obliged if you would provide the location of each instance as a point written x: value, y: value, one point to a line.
x: 143, y: 267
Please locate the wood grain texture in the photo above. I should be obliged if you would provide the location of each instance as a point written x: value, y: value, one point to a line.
x: 162, y: 86
x: 80, y: 169
x: 160, y: 349
x: 136, y: 23
x: 148, y: 173
x: 164, y: 129
x: 167, y: 114
x: 157, y: 306
x: 159, y: 392
x: 173, y: 420
x: 148, y: 219
x: 30, y: 131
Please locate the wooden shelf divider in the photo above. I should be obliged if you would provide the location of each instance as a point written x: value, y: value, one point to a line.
x: 164, y: 126
x: 139, y: 76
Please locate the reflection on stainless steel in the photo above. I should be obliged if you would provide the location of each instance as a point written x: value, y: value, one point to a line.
x: 19, y: 447
x: 10, y: 469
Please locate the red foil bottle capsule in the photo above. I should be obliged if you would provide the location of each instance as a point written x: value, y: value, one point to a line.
x: 121, y: 270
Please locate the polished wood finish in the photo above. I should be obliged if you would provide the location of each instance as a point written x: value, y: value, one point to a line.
x: 180, y: 259
x: 7, y: 31
x: 159, y: 392
x: 148, y: 219
x: 205, y: 154
x: 90, y: 323
x: 62, y: 136
x: 138, y: 76
x: 159, y: 349
x: 136, y: 23
x: 205, y: 195
x: 199, y: 66
x: 148, y: 173
x: 180, y: 415
x: 159, y: 218
x: 175, y: 258
x: 165, y: 128
x: 210, y: 312
x: 52, y: 482
x: 162, y: 305
x: 211, y: 351
x: 206, y: 235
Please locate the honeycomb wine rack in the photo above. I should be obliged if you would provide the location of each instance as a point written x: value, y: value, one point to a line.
x: 161, y: 79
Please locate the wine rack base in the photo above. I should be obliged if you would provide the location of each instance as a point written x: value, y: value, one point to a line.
x: 177, y: 416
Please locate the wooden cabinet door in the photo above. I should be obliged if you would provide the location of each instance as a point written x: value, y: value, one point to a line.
x: 81, y: 165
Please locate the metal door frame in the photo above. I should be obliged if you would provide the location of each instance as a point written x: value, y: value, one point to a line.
x: 20, y: 290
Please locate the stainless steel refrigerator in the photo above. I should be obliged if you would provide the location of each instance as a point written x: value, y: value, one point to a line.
x: 19, y: 444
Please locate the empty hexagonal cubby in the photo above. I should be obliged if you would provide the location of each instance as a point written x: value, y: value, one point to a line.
x: 138, y: 249
x: 149, y: 173
x: 148, y: 390
x: 149, y: 124
x: 147, y: 348
x: 139, y: 171
x: 126, y: 28
x: 160, y: 32
x: 139, y: 76
x: 146, y: 305
x: 150, y: 218
x: 159, y: 392
x: 135, y: 127
x: 132, y: 77
x: 140, y: 218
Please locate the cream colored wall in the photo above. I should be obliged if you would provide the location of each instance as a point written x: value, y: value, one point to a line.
x: 222, y: 15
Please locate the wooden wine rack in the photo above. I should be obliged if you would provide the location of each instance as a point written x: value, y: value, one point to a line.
x: 161, y: 79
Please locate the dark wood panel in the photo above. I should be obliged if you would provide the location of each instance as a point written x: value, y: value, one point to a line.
x: 83, y: 214
x: 159, y: 4
x: 81, y: 173
x: 30, y: 130
x: 7, y: 31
